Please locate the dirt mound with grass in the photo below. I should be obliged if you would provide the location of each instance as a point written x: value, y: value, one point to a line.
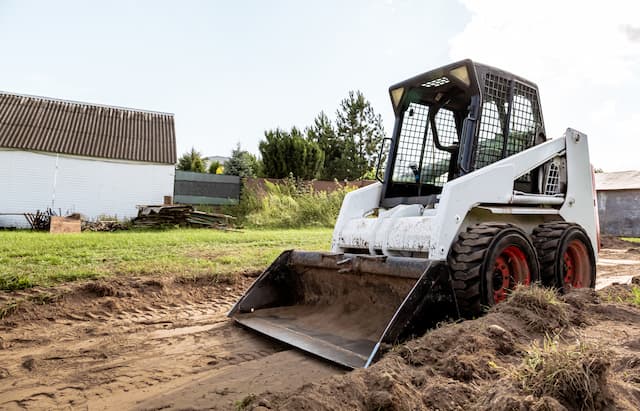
x: 537, y: 351
x: 616, y: 243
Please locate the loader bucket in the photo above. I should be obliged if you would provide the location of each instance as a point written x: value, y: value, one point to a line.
x: 343, y: 307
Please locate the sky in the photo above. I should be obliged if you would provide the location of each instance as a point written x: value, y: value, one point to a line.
x: 229, y: 70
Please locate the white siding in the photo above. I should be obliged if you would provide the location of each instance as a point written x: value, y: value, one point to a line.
x: 92, y: 187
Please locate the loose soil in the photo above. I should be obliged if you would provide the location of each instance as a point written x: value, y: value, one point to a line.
x: 166, y: 343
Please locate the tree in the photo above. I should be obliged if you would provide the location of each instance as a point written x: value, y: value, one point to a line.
x: 348, y: 150
x: 241, y: 163
x: 214, y: 166
x: 284, y: 153
x: 191, y: 161
x: 324, y: 134
x: 361, y: 132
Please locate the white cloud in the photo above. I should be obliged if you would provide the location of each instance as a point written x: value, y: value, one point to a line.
x: 584, y: 56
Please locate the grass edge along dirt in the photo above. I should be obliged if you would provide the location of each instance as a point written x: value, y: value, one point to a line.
x: 287, y: 205
x: 29, y: 259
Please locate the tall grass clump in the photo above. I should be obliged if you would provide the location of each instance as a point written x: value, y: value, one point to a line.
x: 291, y: 204
x: 574, y: 374
x: 248, y: 203
x: 635, y: 295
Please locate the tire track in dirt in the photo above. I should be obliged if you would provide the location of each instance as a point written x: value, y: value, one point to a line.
x: 117, y: 350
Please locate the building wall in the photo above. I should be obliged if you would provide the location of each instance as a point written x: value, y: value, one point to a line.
x: 619, y: 212
x: 32, y: 181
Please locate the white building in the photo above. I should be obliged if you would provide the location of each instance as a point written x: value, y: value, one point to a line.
x: 81, y: 158
x: 619, y: 203
x: 212, y: 159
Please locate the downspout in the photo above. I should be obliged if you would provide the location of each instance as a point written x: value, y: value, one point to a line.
x: 55, y: 182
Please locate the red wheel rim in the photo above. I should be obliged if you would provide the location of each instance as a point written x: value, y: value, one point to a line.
x: 510, y: 268
x: 576, y: 265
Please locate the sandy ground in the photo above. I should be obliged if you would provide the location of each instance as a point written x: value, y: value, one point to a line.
x: 134, y: 343
x: 159, y: 344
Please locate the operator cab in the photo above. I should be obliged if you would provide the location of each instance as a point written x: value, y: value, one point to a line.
x: 451, y: 121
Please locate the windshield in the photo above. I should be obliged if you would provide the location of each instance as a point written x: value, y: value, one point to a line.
x: 418, y: 160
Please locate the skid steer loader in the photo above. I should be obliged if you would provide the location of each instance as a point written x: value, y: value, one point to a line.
x: 474, y: 201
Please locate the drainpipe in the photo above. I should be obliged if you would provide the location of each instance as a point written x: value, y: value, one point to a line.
x: 55, y: 181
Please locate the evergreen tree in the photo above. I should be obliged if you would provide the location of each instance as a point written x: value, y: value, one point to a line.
x: 348, y: 150
x: 324, y: 134
x: 361, y: 132
x: 284, y: 153
x: 241, y: 163
x: 191, y: 161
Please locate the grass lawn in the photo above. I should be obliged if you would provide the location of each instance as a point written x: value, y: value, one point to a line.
x: 30, y: 259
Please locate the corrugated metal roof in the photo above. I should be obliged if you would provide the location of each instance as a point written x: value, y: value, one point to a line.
x: 69, y: 127
x: 620, y: 180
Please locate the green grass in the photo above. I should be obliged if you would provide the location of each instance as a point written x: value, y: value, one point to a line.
x: 635, y: 295
x: 632, y: 239
x: 29, y: 259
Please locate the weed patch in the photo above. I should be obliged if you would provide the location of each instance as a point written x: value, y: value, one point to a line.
x: 574, y: 374
x: 8, y: 308
x: 245, y: 402
x: 290, y: 204
x: 622, y: 293
x: 12, y: 282
x: 635, y: 296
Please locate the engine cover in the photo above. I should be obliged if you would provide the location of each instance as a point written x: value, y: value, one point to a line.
x: 401, y: 231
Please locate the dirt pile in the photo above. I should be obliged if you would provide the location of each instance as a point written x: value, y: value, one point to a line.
x: 536, y: 351
x: 616, y: 243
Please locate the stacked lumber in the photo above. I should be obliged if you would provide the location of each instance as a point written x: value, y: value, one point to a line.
x: 105, y: 225
x: 200, y: 218
x: 156, y: 216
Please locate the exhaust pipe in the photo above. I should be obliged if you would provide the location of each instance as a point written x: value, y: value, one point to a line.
x: 344, y: 307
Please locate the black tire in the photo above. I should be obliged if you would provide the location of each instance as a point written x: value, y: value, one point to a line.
x: 482, y: 252
x: 555, y: 243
